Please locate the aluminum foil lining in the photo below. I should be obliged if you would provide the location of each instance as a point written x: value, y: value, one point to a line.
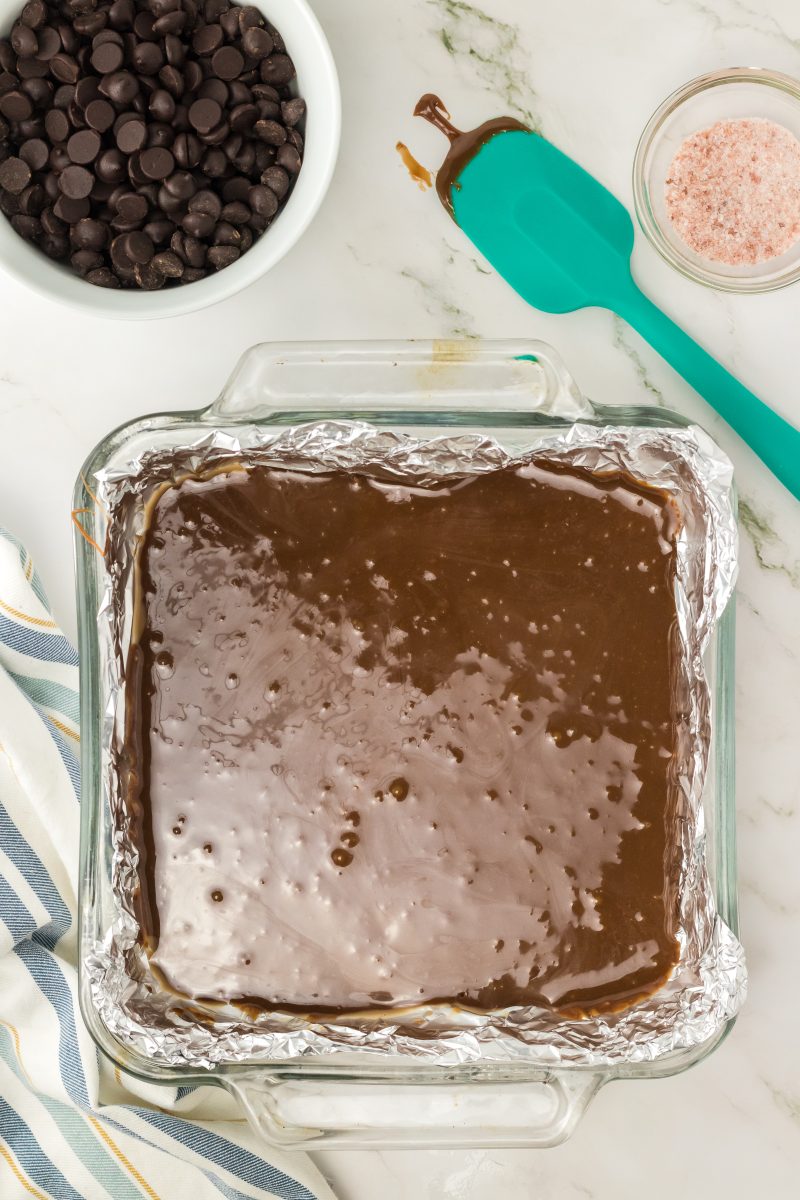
x: 708, y: 984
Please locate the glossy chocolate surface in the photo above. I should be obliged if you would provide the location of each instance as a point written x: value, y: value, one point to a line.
x: 388, y: 745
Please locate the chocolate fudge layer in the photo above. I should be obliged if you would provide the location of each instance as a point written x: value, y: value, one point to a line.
x: 388, y: 745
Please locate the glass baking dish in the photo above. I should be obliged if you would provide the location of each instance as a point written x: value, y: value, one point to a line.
x: 516, y: 392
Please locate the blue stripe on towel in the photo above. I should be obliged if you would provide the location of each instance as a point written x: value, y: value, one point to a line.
x: 46, y: 647
x: 29, y: 1154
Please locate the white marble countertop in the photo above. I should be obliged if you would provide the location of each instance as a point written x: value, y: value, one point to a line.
x: 383, y: 260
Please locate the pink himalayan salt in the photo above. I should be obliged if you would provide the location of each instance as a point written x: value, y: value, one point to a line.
x: 733, y: 191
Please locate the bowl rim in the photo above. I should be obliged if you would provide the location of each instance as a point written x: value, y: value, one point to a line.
x: 649, y: 223
x: 291, y: 222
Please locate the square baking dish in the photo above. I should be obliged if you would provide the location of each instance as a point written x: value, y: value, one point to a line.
x: 516, y: 393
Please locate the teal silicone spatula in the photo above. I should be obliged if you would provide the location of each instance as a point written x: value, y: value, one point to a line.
x: 564, y: 242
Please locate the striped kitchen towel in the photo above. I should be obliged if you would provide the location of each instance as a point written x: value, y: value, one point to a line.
x: 71, y: 1126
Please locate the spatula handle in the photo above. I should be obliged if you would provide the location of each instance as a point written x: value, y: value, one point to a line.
x: 775, y: 441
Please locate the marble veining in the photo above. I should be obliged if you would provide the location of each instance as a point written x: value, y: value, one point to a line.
x: 493, y: 50
x: 771, y: 551
x: 743, y: 17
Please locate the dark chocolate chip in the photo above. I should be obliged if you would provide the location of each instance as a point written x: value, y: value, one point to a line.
x: 249, y: 17
x: 148, y: 58
x: 214, y: 89
x: 100, y: 115
x: 237, y: 188
x: 237, y: 213
x: 256, y: 42
x: 222, y: 256
x: 16, y: 106
x: 84, y: 146
x: 139, y: 247
x: 24, y: 41
x: 230, y: 24
x: 143, y: 26
x: 194, y: 251
x: 28, y: 227
x: 15, y: 175
x: 55, y: 248
x: 32, y: 200
x: 34, y: 14
x: 243, y: 117
x: 271, y: 132
x: 64, y: 97
x: 35, y: 153
x: 148, y: 277
x: 75, y: 182
x: 86, y: 90
x: 39, y: 91
x: 162, y: 105
x: 172, y: 80
x: 120, y: 87
x: 111, y: 166
x: 83, y: 261
x: 204, y: 115
x: 198, y: 225
x: 168, y: 263
x: 292, y: 111
x: 206, y: 202
x: 51, y: 224
x: 49, y: 44
x: 192, y: 76
x: 215, y: 164
x: 108, y: 35
x: 90, y: 24
x: 32, y: 68
x: 288, y: 157
x: 160, y: 230
x: 71, y: 209
x: 188, y: 150
x: 227, y: 62
x: 182, y: 185
x: 207, y: 39
x: 59, y: 159
x: 131, y: 208
x: 131, y: 136
x: 175, y: 50
x: 170, y: 23
x: 277, y: 180
x: 107, y: 57
x: 161, y: 135
x: 121, y: 14
x: 227, y: 235
x: 69, y: 39
x: 64, y: 68
x: 217, y: 135
x: 157, y: 163
x: 277, y: 70
x: 262, y: 200
x: 103, y: 278
x: 57, y: 125
x: 89, y: 234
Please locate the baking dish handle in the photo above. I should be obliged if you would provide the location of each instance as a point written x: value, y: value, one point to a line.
x: 304, y: 1112
x: 379, y: 379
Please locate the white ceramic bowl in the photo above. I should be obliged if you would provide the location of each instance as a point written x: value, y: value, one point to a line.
x: 318, y: 84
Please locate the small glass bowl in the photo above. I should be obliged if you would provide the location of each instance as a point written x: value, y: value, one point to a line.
x: 721, y: 95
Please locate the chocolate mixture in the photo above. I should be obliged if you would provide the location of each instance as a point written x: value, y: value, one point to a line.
x: 389, y: 745
x: 464, y: 144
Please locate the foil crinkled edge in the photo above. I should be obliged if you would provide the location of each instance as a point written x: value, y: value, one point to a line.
x: 709, y: 982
